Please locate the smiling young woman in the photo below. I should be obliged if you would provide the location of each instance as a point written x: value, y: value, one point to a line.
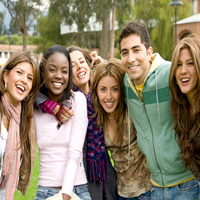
x: 184, y: 84
x: 19, y: 83
x: 133, y: 176
x: 60, y: 150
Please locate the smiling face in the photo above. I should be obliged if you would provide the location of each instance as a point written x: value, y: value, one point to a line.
x: 57, y: 76
x: 81, y: 70
x: 108, y: 93
x: 135, y: 58
x: 19, y: 82
x: 185, y: 74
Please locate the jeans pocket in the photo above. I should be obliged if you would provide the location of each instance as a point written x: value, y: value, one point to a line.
x: 152, y: 188
x: 188, y: 185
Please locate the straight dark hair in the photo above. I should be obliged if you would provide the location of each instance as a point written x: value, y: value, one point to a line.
x: 43, y: 69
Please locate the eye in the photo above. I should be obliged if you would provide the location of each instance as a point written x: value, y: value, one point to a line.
x: 30, y: 78
x: 115, y: 89
x: 52, y: 70
x: 103, y: 89
x: 82, y: 61
x: 124, y: 53
x: 136, y: 50
x: 64, y: 71
x: 190, y: 63
x: 179, y: 64
x: 19, y: 72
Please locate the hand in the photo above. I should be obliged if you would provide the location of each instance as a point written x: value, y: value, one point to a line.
x: 64, y: 112
x: 56, y: 109
x: 95, y: 58
x: 66, y: 197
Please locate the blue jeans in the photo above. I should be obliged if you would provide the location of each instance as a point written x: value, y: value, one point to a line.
x: 188, y: 190
x: 45, y: 192
x: 145, y: 196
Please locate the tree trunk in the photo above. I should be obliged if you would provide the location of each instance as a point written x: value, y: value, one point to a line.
x: 112, y: 35
x: 24, y: 39
x: 104, y: 46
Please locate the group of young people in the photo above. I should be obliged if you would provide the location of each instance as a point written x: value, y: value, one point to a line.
x: 118, y: 130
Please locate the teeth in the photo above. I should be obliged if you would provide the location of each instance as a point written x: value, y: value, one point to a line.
x: 133, y: 67
x: 57, y: 84
x: 109, y: 103
x: 81, y: 74
x: 22, y: 88
x: 185, y: 79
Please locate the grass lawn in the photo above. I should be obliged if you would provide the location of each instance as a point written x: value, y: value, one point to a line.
x: 32, y: 189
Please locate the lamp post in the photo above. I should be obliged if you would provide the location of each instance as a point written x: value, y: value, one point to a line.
x: 9, y: 39
x: 175, y: 4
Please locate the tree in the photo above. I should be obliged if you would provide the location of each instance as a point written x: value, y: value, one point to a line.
x: 159, y: 18
x: 103, y: 10
x: 79, y: 12
x: 23, y: 13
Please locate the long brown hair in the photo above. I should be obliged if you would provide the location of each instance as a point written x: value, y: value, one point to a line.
x: 183, y: 122
x: 113, y: 67
x: 27, y: 103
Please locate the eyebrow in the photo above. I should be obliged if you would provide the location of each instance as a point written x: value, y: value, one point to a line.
x: 190, y: 59
x: 23, y: 71
x: 134, y: 47
x: 111, y: 87
x: 56, y: 66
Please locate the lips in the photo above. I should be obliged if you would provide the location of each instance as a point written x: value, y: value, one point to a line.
x: 109, y: 104
x: 185, y: 80
x: 81, y: 74
x: 20, y: 88
x: 57, y: 85
x: 133, y: 67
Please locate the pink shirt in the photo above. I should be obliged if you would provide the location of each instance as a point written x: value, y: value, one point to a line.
x: 60, y: 150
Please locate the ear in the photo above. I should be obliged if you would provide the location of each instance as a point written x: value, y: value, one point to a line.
x: 149, y: 52
x: 5, y: 77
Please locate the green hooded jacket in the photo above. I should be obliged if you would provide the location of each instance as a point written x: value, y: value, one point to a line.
x: 154, y: 124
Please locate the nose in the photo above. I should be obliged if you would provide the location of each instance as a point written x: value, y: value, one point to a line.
x: 24, y: 78
x: 79, y: 66
x: 183, y: 69
x: 131, y: 57
x: 58, y: 74
x: 108, y: 95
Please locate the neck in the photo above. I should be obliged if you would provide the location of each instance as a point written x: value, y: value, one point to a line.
x: 54, y: 97
x: 14, y: 103
x: 85, y: 88
x: 110, y: 117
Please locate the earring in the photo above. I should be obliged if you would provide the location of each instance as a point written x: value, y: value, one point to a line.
x: 45, y: 84
x: 5, y: 86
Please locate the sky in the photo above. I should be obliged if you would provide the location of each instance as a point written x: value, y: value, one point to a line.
x: 7, y: 17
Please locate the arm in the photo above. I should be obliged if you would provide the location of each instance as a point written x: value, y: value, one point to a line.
x: 43, y: 103
x: 47, y: 105
x: 96, y: 59
x: 77, y: 137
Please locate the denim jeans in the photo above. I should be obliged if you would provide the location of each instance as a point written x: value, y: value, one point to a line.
x: 188, y: 190
x: 145, y: 196
x: 82, y: 192
x: 45, y: 192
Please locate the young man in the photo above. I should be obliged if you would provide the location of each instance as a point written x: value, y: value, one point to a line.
x: 148, y: 100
